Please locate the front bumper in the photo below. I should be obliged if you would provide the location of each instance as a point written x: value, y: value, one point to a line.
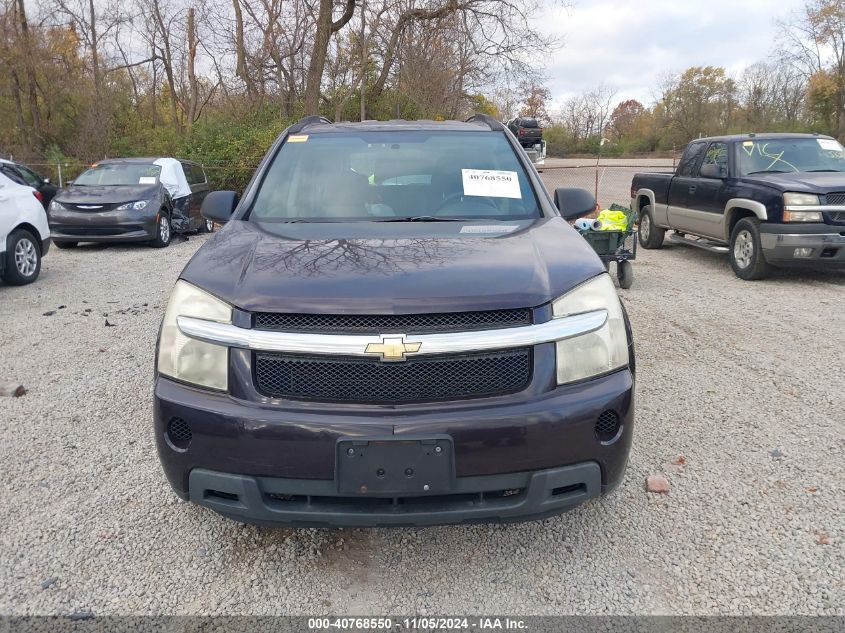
x: 541, y: 443
x: 826, y: 243
x: 127, y: 225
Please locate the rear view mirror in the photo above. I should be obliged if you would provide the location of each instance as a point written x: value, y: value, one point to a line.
x: 573, y: 202
x: 219, y: 205
x: 711, y: 170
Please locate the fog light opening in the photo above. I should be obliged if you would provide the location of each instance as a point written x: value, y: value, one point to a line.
x: 607, y: 426
x: 179, y: 434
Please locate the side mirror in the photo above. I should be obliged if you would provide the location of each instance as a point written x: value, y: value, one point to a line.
x: 712, y: 171
x: 219, y: 205
x: 573, y: 202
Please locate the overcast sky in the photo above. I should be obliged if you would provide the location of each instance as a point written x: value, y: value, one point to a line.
x: 629, y: 44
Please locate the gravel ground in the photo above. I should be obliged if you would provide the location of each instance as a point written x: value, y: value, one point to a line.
x: 742, y: 382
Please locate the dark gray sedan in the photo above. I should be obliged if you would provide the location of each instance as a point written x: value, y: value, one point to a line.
x: 130, y: 200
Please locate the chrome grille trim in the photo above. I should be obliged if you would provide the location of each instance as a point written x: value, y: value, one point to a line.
x: 356, y: 344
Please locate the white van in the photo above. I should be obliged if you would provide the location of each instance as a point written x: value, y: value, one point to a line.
x: 24, y: 233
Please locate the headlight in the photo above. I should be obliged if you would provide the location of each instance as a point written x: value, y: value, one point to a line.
x: 55, y: 206
x: 597, y: 352
x: 188, y: 359
x: 140, y: 204
x: 800, y: 199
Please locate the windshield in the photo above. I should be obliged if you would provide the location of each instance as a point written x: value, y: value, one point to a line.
x: 120, y: 174
x: 403, y: 175
x: 789, y: 155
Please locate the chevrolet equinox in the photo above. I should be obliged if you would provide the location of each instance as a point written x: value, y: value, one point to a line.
x: 396, y: 326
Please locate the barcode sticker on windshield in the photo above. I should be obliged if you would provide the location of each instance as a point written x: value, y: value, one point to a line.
x: 147, y: 180
x: 491, y: 183
x: 830, y: 144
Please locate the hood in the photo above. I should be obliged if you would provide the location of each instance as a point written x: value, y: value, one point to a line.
x: 802, y: 181
x: 106, y: 194
x: 391, y: 268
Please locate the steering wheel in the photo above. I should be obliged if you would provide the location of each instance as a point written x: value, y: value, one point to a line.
x: 452, y: 197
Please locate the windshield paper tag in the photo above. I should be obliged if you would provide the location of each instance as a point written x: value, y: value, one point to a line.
x: 297, y: 138
x: 147, y: 180
x: 491, y: 183
x: 491, y: 228
x: 829, y: 144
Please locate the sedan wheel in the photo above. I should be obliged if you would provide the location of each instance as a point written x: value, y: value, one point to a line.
x: 26, y: 257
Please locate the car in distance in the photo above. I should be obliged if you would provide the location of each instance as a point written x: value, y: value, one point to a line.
x: 24, y: 234
x: 130, y: 200
x: 396, y: 326
x: 25, y: 176
x: 526, y: 130
x: 768, y: 200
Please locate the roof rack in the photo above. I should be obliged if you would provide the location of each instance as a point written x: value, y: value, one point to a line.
x: 491, y: 122
x: 302, y: 123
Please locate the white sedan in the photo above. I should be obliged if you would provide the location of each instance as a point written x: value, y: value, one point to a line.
x: 24, y: 233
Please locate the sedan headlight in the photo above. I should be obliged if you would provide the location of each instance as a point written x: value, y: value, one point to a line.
x: 188, y: 359
x: 55, y: 206
x: 794, y: 207
x: 138, y: 205
x: 598, y: 352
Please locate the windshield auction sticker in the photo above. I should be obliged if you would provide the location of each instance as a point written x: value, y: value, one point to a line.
x: 829, y: 144
x: 491, y: 183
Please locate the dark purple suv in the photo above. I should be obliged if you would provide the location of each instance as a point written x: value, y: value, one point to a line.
x: 396, y: 326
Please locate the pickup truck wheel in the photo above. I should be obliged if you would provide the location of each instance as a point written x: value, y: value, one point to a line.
x: 746, y: 254
x: 23, y: 258
x: 650, y: 236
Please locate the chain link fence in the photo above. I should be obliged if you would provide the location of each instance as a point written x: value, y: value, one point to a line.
x: 609, y: 181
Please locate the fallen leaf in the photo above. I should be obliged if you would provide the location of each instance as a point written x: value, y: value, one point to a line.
x: 821, y: 537
x: 49, y: 313
x: 813, y: 489
x: 110, y: 324
x: 12, y: 389
x: 680, y: 460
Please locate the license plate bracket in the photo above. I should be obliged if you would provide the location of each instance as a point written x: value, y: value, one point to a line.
x: 395, y: 466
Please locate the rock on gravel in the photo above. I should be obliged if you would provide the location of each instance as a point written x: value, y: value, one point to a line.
x: 726, y: 371
x: 657, y: 483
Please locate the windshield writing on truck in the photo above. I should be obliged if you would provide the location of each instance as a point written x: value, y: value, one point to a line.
x: 789, y: 155
x: 393, y: 176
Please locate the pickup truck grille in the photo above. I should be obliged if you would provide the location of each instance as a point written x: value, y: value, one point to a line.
x: 371, y: 381
x: 837, y: 197
x: 386, y: 323
x: 837, y: 216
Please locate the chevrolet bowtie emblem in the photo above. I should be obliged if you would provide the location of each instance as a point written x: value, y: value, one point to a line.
x: 392, y: 348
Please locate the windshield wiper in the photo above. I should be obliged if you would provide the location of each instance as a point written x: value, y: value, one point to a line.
x: 766, y: 171
x: 424, y: 218
x: 825, y: 170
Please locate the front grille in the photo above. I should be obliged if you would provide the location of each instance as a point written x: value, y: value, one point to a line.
x: 100, y: 206
x: 837, y: 216
x: 837, y: 197
x: 385, y: 323
x: 373, y: 381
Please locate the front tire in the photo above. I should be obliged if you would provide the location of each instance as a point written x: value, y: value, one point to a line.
x: 746, y: 253
x: 23, y: 258
x: 164, y: 232
x: 650, y: 235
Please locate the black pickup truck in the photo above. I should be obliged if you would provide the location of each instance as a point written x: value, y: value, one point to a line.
x: 765, y: 199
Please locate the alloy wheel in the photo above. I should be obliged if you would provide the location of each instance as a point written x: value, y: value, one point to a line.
x: 26, y: 257
x: 164, y: 229
x: 645, y: 226
x: 743, y: 249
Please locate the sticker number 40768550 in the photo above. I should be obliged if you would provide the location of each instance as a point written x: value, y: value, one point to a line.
x: 491, y: 183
